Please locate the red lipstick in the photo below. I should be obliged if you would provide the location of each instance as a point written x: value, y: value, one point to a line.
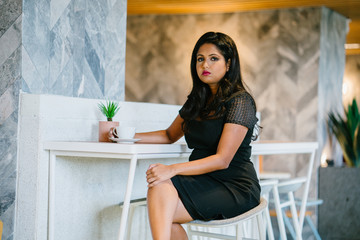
x: 205, y: 73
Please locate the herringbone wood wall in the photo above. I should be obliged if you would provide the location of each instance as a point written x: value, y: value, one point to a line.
x: 280, y: 52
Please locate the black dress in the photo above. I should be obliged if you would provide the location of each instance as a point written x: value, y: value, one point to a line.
x: 223, y: 193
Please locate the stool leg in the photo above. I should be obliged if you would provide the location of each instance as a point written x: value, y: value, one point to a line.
x: 262, y: 234
x: 189, y: 232
x: 245, y: 226
x: 238, y: 231
x: 279, y: 214
x: 269, y: 225
x: 288, y: 225
x: 294, y: 216
x: 313, y: 228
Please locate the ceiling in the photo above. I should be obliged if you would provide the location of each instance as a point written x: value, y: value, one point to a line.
x: 348, y: 8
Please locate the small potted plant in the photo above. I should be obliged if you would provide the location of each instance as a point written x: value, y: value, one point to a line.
x: 109, y: 109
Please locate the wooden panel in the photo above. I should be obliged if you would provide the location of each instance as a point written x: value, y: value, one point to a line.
x: 348, y: 8
x: 354, y: 32
x: 353, y: 36
x: 353, y: 51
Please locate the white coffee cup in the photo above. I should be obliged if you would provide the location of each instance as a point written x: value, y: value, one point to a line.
x: 124, y: 132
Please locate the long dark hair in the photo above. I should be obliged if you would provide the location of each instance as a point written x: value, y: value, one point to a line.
x: 198, y: 104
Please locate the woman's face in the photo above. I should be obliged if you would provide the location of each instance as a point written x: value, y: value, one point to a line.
x: 211, y: 66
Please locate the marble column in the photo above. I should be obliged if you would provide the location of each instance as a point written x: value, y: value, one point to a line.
x: 331, y: 71
x: 71, y: 48
x: 74, y: 48
x: 10, y: 81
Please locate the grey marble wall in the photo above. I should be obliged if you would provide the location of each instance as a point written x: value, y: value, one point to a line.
x: 74, y: 48
x: 10, y: 81
x: 63, y: 47
x: 331, y: 72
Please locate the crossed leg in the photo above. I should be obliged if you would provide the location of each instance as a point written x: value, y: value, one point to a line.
x: 166, y: 212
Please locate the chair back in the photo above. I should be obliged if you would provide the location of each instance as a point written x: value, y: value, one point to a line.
x: 291, y: 185
x: 267, y: 186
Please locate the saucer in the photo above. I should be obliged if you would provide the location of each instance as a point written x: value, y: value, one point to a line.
x: 124, y: 140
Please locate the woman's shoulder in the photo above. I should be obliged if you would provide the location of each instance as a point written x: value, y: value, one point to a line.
x: 240, y: 96
x: 241, y: 109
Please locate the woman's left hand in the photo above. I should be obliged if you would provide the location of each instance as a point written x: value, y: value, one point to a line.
x: 157, y: 173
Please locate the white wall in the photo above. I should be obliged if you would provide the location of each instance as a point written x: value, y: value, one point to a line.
x: 88, y: 191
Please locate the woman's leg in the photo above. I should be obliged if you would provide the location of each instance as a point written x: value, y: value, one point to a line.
x: 178, y: 232
x: 165, y: 208
x: 181, y: 216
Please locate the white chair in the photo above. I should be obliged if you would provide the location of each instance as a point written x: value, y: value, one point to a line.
x: 309, y: 203
x: 237, y: 222
x: 268, y: 186
x: 288, y: 188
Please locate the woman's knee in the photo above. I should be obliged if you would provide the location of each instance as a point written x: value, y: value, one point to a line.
x: 163, y: 188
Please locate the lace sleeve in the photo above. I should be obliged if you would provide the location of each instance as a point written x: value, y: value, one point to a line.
x: 241, y: 110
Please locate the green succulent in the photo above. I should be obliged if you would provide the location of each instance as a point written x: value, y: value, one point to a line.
x: 109, y: 109
x: 347, y: 132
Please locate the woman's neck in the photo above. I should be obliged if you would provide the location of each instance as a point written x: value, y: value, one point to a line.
x: 214, y: 88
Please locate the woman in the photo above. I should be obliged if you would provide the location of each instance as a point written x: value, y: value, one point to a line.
x: 218, y: 119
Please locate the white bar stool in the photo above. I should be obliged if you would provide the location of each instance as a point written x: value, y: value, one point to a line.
x: 238, y: 221
x: 309, y: 203
x: 141, y: 202
x: 266, y: 187
x: 288, y: 187
x: 274, y: 175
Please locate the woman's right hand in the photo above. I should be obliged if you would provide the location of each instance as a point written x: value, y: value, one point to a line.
x: 157, y: 173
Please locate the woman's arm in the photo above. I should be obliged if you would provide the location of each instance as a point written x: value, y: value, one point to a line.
x: 231, y: 138
x: 170, y: 135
